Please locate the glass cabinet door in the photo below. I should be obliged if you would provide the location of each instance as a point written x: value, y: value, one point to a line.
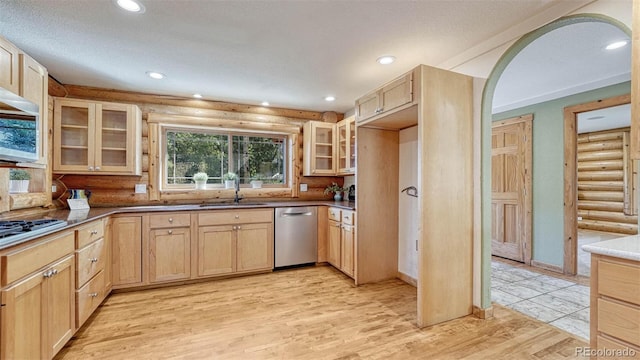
x: 343, y: 147
x: 111, y: 142
x: 323, y: 148
x: 74, y: 136
x: 352, y: 145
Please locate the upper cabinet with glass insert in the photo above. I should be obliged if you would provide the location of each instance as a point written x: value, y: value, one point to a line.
x: 97, y: 138
x: 319, y: 145
x: 347, y: 146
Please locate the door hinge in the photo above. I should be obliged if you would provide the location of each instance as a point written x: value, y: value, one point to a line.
x: 416, y: 244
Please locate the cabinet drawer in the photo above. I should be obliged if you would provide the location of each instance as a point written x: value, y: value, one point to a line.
x: 335, y: 214
x: 89, y: 297
x: 169, y: 220
x: 606, y: 343
x: 620, y: 321
x: 226, y: 217
x: 21, y: 262
x: 89, y: 261
x: 619, y: 281
x: 348, y: 217
x: 87, y: 233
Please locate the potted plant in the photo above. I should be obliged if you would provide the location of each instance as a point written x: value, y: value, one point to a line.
x: 200, y: 179
x: 19, y: 181
x: 229, y: 180
x: 257, y: 181
x: 336, y: 189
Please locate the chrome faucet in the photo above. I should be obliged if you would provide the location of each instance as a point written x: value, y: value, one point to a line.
x: 237, y: 198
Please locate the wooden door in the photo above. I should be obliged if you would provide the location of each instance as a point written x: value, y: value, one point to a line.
x: 115, y: 138
x: 9, y: 68
x: 169, y: 254
x: 254, y: 247
x: 126, y: 242
x: 323, y: 151
x: 22, y: 327
x: 60, y: 305
x: 216, y: 250
x: 511, y: 189
x: 347, y: 246
x: 333, y: 245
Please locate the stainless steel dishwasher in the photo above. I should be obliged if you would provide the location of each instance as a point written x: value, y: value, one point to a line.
x: 296, y: 236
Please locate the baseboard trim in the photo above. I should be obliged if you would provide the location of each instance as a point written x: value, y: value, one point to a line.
x: 541, y: 265
x: 408, y: 279
x: 483, y: 313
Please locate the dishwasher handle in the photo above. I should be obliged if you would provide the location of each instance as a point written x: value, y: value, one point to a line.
x: 309, y: 213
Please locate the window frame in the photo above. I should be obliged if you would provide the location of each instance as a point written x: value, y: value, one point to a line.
x: 163, y: 128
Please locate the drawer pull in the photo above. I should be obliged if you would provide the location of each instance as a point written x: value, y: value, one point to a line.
x: 94, y: 260
x: 95, y: 294
x: 170, y: 220
x: 237, y: 216
x: 94, y: 232
x: 47, y: 274
x: 170, y: 232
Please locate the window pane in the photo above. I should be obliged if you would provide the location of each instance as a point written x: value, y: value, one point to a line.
x: 192, y: 152
x: 259, y: 158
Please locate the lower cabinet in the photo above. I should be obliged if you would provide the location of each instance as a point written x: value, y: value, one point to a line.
x: 169, y: 254
x: 341, y: 246
x: 126, y: 251
x: 38, y: 313
x: 234, y: 241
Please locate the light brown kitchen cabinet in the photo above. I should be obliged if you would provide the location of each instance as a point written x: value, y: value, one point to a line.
x: 615, y: 303
x: 169, y: 247
x: 96, y: 138
x: 126, y: 253
x: 386, y: 99
x: 9, y: 66
x: 319, y: 145
x: 235, y: 241
x: 38, y: 313
x: 342, y: 240
x: 92, y: 256
x: 346, y: 131
x: 216, y: 250
x: 34, y: 86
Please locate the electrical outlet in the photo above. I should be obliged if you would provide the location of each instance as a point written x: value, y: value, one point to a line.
x: 579, y: 218
x: 303, y: 187
x: 54, y: 188
x: 141, y: 188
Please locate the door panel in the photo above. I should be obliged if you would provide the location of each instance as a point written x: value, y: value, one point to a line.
x: 511, y: 196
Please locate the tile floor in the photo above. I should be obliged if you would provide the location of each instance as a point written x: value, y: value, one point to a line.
x: 561, y: 303
x: 590, y: 237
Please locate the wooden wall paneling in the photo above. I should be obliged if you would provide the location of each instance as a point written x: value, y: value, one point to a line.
x: 377, y: 215
x: 604, y: 201
x: 295, y: 164
x: 446, y: 196
x: 154, y: 163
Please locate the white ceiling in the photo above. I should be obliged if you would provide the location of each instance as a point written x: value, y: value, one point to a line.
x: 290, y: 53
x: 614, y: 117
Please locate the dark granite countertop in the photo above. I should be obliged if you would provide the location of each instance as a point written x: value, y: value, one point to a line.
x: 77, y: 217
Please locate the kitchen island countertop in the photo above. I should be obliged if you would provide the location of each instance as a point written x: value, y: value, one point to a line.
x: 627, y: 247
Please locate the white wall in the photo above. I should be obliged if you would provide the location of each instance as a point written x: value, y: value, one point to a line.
x: 408, y: 205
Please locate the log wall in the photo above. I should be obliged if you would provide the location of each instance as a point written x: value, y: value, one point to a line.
x: 119, y: 190
x: 606, y: 175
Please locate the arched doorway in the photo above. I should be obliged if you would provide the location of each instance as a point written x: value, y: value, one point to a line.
x: 486, y: 122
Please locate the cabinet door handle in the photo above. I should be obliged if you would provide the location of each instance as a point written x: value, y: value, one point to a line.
x: 170, y: 220
x: 90, y: 168
x: 237, y: 216
x: 239, y: 227
x: 94, y: 232
x: 170, y: 232
x: 93, y: 260
x: 234, y: 227
x: 54, y: 271
x: 47, y: 274
x: 97, y: 168
x: 95, y: 294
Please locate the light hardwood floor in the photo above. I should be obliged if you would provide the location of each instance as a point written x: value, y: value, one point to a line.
x: 309, y: 313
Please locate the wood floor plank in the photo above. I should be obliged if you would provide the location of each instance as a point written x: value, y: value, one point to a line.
x: 308, y: 313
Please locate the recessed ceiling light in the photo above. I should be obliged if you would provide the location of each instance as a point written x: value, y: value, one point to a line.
x: 155, y: 75
x: 197, y: 96
x: 616, y: 45
x: 130, y: 5
x: 330, y: 98
x: 265, y: 103
x: 386, y: 60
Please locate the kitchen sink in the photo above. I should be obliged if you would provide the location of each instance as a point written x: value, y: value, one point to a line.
x: 241, y: 203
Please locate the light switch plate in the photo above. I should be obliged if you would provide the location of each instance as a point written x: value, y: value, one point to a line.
x: 141, y: 188
x: 303, y: 187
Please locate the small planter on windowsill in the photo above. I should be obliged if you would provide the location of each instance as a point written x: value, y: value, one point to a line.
x: 19, y: 181
x: 229, y: 180
x: 201, y: 180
